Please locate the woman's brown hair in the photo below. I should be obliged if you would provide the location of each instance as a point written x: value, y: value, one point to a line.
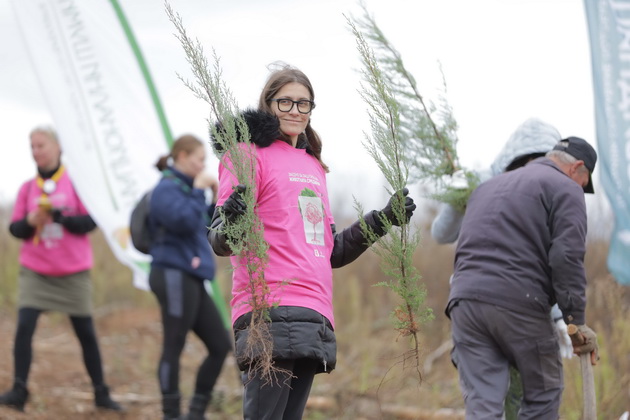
x: 275, y: 82
x: 186, y: 143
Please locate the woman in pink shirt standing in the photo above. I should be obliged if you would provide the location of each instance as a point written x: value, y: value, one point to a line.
x: 55, y: 262
x: 304, y: 246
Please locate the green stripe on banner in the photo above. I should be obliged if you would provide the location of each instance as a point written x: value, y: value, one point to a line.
x: 220, y: 302
x: 145, y: 72
x: 216, y: 294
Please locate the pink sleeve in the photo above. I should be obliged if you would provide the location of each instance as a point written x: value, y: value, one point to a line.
x: 227, y: 180
x: 20, y: 208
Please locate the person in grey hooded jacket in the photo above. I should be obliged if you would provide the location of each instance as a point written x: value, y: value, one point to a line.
x: 521, y: 250
x: 532, y: 139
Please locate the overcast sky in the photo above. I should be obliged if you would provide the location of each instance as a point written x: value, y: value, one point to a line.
x: 504, y: 61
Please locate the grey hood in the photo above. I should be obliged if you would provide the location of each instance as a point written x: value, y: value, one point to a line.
x: 532, y: 136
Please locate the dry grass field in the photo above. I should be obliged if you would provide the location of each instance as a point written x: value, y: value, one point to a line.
x: 370, y: 381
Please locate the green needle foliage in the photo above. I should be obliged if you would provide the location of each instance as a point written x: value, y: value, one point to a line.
x: 426, y: 130
x: 245, y: 234
x: 387, y: 145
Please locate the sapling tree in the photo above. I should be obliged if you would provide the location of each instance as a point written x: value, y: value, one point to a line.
x: 396, y: 250
x: 426, y: 130
x: 245, y: 233
x: 407, y: 132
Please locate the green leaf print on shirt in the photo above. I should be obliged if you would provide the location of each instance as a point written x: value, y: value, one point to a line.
x: 307, y: 192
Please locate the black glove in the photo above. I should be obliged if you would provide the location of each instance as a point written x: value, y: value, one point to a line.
x: 235, y: 206
x: 57, y: 217
x: 410, y: 206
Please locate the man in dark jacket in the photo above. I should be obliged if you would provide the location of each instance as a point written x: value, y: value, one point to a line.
x: 520, y: 251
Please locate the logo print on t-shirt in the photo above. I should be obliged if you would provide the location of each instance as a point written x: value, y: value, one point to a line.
x: 312, y: 212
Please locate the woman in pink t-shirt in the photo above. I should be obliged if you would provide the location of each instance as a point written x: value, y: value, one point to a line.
x: 55, y: 259
x: 292, y: 203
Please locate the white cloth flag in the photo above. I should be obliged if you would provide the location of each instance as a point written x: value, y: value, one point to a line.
x: 609, y: 33
x: 110, y: 123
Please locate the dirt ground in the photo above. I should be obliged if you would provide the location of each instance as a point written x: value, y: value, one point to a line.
x: 130, y: 344
x: 368, y: 383
x: 130, y: 341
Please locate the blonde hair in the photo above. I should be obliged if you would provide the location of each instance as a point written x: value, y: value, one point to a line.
x: 47, y: 130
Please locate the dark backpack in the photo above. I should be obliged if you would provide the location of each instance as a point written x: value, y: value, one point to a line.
x: 139, y: 224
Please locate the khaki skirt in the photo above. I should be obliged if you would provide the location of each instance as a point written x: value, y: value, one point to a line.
x: 71, y: 294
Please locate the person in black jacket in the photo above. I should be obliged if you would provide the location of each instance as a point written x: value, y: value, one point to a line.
x: 55, y: 263
x: 304, y: 246
x: 182, y: 264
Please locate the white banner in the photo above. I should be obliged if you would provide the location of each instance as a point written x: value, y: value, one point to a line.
x: 110, y: 123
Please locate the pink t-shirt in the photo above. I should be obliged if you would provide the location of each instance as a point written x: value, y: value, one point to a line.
x: 292, y: 203
x: 58, y: 252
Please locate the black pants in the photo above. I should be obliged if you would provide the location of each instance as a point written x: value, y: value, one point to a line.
x: 84, y: 330
x: 185, y: 306
x: 283, y: 400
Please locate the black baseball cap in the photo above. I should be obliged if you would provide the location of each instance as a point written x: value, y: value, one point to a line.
x: 581, y: 150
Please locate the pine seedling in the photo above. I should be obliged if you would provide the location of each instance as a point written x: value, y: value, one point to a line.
x: 386, y: 145
x: 426, y: 129
x: 245, y: 234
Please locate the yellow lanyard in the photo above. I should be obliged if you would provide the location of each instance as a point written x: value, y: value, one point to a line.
x: 48, y: 186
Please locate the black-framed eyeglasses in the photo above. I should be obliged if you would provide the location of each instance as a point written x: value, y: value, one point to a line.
x: 304, y: 106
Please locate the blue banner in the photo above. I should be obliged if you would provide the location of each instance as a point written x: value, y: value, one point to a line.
x: 609, y: 32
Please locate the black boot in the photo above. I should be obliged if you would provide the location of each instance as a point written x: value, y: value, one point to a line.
x: 103, y: 400
x: 197, y: 408
x: 171, y: 406
x: 16, y: 397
